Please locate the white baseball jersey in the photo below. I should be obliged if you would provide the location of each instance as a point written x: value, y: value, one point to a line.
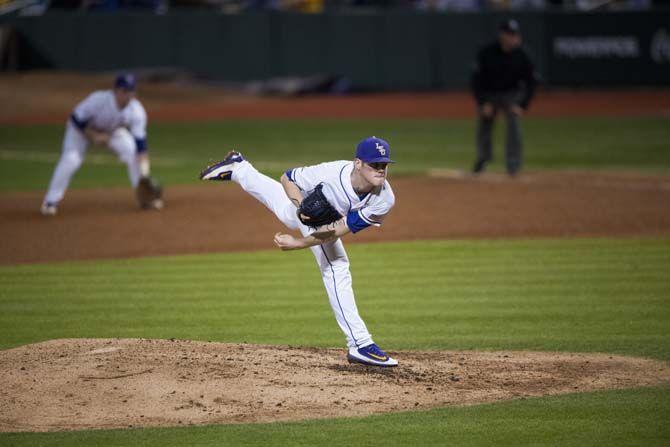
x: 127, y: 129
x: 100, y: 111
x: 360, y: 211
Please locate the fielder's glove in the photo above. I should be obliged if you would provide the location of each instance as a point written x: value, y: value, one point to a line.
x: 315, y: 211
x: 149, y: 194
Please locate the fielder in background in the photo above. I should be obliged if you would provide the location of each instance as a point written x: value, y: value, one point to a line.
x: 358, y: 191
x: 503, y: 79
x: 116, y: 120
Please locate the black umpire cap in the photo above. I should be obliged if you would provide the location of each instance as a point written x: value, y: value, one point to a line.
x: 510, y: 26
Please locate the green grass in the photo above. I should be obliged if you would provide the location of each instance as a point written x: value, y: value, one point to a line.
x: 612, y: 418
x: 179, y: 151
x: 571, y: 295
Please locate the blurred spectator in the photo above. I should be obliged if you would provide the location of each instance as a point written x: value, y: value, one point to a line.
x: 527, y: 4
x: 516, y: 4
x: 305, y: 6
x: 24, y: 7
x: 158, y: 6
x: 449, y: 5
x: 504, y: 80
x: 100, y: 5
x: 592, y: 5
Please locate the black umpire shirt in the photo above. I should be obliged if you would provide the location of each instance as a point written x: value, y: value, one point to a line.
x: 497, y: 72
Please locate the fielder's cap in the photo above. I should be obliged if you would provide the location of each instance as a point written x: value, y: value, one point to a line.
x: 374, y: 150
x: 125, y: 81
x: 510, y: 26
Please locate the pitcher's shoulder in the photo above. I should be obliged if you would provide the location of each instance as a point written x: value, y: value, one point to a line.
x: 335, y: 171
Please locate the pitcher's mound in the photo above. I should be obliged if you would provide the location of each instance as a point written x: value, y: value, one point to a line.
x: 100, y: 383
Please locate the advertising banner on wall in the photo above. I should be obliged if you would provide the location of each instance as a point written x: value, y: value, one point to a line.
x: 608, y: 49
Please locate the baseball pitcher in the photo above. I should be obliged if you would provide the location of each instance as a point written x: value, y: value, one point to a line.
x: 325, y: 202
x: 114, y: 119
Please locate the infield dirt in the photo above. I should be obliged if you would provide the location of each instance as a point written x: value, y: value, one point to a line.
x: 106, y: 223
x: 86, y: 384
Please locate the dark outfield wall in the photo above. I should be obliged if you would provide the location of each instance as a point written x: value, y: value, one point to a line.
x: 376, y: 51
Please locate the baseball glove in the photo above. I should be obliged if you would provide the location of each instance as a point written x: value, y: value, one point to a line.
x: 315, y: 211
x: 149, y: 194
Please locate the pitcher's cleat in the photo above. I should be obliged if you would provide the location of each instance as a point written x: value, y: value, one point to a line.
x: 48, y: 209
x: 222, y: 170
x: 370, y: 355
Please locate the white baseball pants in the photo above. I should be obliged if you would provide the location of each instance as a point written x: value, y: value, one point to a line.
x: 331, y: 256
x: 75, y: 145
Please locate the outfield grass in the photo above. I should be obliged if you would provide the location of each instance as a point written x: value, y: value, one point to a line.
x: 179, y: 151
x: 569, y: 295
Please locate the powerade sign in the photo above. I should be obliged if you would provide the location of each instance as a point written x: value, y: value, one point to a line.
x: 614, y: 49
x: 597, y: 47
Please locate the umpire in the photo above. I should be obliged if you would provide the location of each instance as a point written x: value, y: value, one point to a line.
x: 503, y: 79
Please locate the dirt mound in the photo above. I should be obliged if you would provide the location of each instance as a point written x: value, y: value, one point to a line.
x: 101, y: 383
x: 105, y: 223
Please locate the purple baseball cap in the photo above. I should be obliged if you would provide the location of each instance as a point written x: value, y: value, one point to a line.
x: 125, y: 81
x: 374, y: 150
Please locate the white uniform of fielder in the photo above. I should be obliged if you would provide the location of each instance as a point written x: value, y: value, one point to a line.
x: 360, y: 202
x: 123, y: 129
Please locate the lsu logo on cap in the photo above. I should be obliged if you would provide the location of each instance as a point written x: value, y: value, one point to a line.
x: 373, y: 149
